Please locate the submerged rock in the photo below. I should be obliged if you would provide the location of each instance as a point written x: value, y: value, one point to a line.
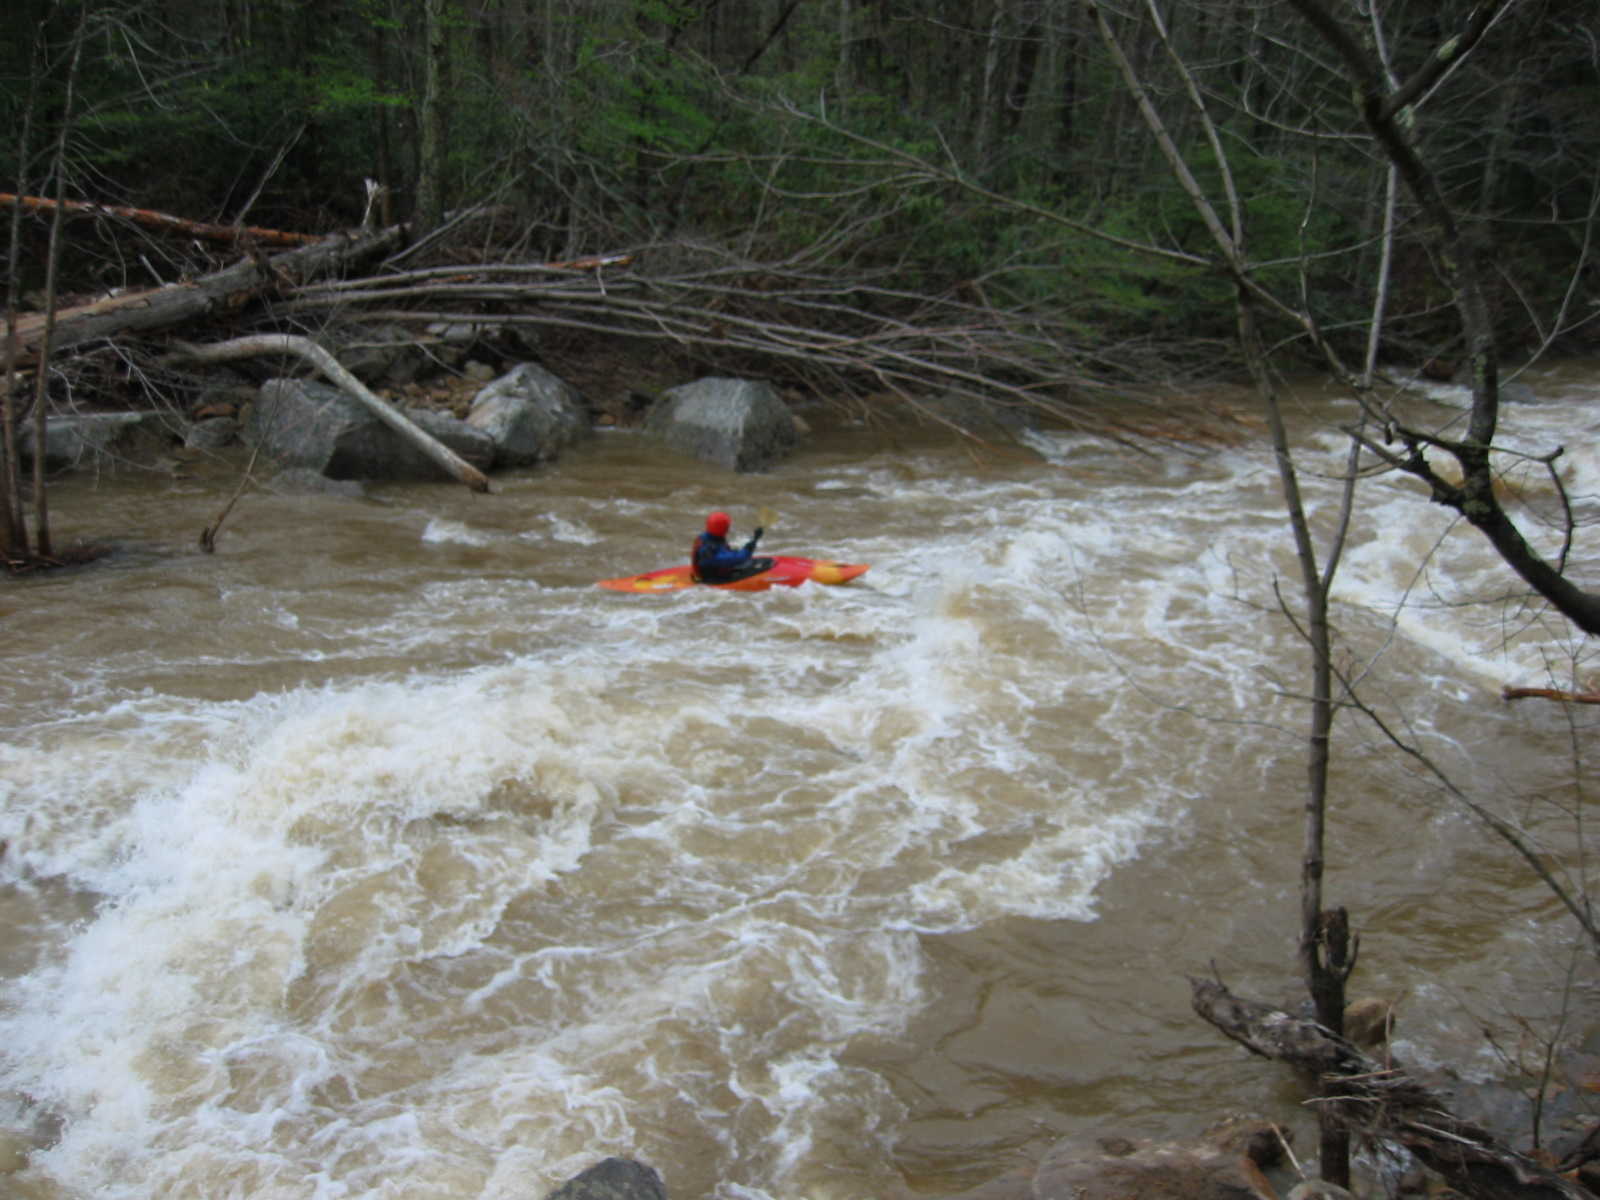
x: 613, y: 1179
x: 102, y: 440
x: 1223, y: 1164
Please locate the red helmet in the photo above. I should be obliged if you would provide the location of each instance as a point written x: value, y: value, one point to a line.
x: 718, y: 523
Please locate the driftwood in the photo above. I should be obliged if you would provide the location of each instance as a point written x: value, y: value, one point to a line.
x: 1384, y: 1102
x: 151, y: 219
x: 1523, y: 693
x: 304, y: 348
x: 951, y: 346
x: 226, y: 290
x: 863, y: 336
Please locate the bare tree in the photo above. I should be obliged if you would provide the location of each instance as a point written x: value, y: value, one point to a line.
x: 429, y: 210
x: 1327, y: 949
x: 1466, y: 256
x: 13, y: 528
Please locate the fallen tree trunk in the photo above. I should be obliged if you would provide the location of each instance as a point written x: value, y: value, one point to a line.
x: 164, y: 221
x: 1384, y: 1102
x: 176, y: 303
x: 309, y: 351
x: 1523, y: 693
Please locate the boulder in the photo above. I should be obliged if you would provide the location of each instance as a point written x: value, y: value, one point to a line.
x: 306, y: 424
x: 212, y: 433
x: 613, y: 1179
x: 1114, y: 1169
x: 105, y: 440
x: 302, y: 481
x: 530, y: 415
x: 1369, y: 1020
x: 983, y: 418
x: 738, y: 424
x: 1224, y: 1163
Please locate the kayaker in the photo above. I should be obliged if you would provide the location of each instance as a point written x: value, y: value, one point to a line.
x: 715, y: 561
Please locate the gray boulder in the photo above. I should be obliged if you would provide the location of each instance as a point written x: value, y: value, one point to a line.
x: 105, y: 440
x: 302, y: 481
x: 613, y: 1179
x: 213, y: 433
x: 738, y: 424
x: 305, y: 424
x: 530, y: 415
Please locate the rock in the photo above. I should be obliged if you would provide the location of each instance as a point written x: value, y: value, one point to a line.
x: 1318, y: 1189
x: 1222, y: 1164
x: 302, y: 481
x: 304, y: 424
x: 983, y: 418
x: 1148, y: 1170
x: 1367, y: 1021
x: 530, y: 415
x: 613, y: 1179
x: 737, y: 424
x: 1264, y: 1143
x: 212, y: 433
x: 105, y: 440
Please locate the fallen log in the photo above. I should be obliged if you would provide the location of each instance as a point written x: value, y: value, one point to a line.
x: 151, y: 219
x: 1523, y: 693
x: 309, y: 351
x: 225, y: 290
x: 1383, y: 1102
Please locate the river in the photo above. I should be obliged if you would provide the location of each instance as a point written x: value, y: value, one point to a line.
x: 380, y: 854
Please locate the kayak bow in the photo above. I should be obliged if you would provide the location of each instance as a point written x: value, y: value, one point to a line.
x: 784, y: 572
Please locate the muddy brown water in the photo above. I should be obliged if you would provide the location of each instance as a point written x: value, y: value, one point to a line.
x: 380, y: 854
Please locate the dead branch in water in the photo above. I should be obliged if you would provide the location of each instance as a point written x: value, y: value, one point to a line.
x: 1523, y: 693
x: 208, y: 535
x: 1384, y: 1102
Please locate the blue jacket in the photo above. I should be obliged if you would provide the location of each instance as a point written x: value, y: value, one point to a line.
x: 717, y: 562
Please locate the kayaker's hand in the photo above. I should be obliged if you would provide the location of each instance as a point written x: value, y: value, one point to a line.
x: 757, y: 537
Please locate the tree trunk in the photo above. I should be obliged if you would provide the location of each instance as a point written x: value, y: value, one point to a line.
x: 41, y: 406
x: 430, y: 120
x: 172, y: 305
x: 13, y: 529
x: 163, y: 221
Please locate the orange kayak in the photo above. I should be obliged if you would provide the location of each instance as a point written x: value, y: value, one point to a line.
x: 784, y: 572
